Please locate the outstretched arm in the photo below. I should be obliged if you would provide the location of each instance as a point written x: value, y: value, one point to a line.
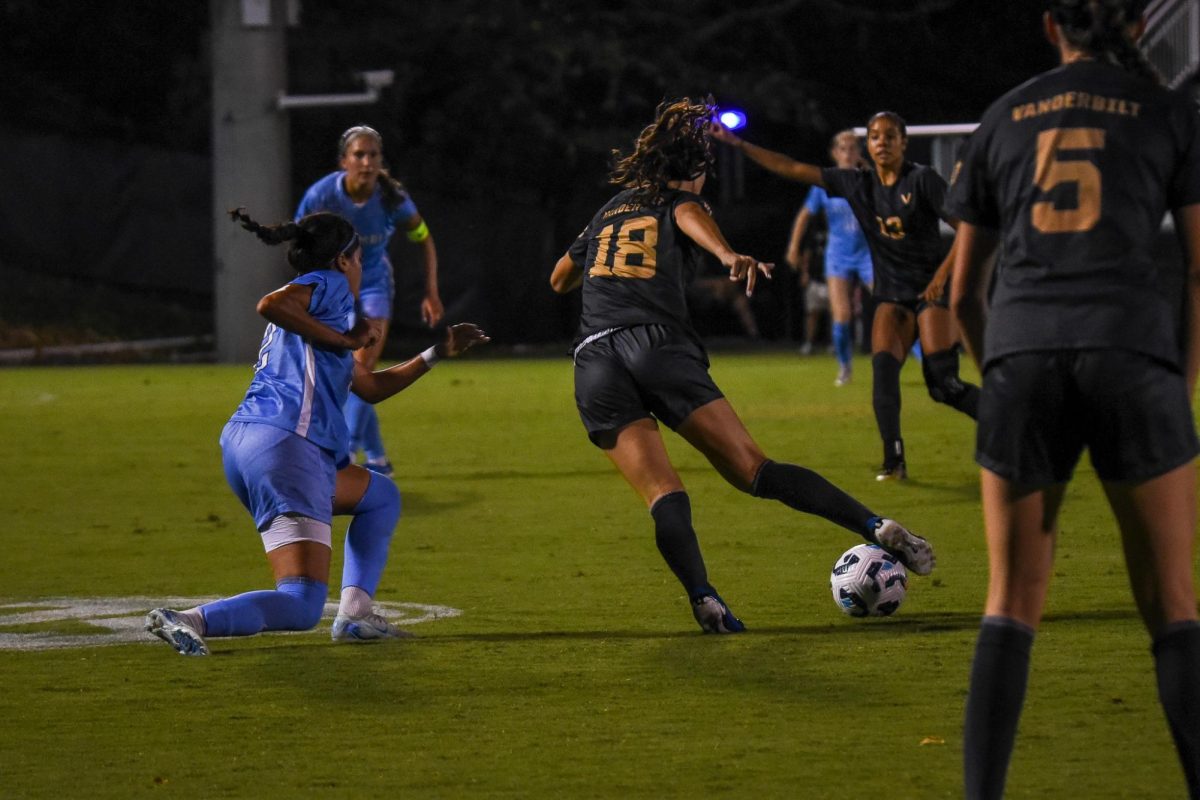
x: 701, y: 228
x: 937, y: 284
x: 374, y: 386
x: 287, y: 307
x: 799, y: 228
x: 778, y: 163
x: 974, y: 251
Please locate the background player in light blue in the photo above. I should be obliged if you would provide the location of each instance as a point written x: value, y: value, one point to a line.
x: 846, y: 253
x: 285, y: 448
x: 376, y: 204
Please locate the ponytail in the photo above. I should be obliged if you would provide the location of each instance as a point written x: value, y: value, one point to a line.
x: 317, y: 239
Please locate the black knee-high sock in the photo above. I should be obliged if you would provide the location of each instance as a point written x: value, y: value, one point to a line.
x: 998, y: 678
x: 941, y: 377
x: 805, y: 490
x: 1177, y: 662
x: 885, y: 397
x: 676, y: 540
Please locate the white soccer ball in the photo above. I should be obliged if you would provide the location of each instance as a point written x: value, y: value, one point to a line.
x: 868, y: 581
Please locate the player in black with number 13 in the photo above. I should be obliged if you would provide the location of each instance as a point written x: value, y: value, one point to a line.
x: 637, y: 358
x: 898, y: 205
x: 1090, y: 341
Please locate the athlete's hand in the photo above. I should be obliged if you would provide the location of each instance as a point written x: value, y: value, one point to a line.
x: 722, y: 134
x: 365, y: 333
x: 459, y: 339
x: 746, y: 268
x: 936, y: 288
x: 431, y: 310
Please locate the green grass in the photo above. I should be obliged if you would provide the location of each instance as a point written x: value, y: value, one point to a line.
x: 575, y: 669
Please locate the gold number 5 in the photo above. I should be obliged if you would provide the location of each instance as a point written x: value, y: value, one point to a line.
x: 1051, y: 172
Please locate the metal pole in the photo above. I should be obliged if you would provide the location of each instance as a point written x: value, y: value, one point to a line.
x: 251, y: 164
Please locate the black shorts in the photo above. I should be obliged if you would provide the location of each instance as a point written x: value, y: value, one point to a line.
x: 639, y: 372
x: 1038, y: 411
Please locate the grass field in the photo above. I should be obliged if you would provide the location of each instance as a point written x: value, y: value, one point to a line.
x: 574, y: 668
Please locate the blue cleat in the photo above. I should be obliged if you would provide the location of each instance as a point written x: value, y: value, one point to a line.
x: 172, y: 629
x: 714, y: 616
x: 367, y: 628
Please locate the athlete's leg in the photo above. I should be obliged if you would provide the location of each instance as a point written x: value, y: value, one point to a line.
x: 1158, y: 523
x: 1021, y: 525
x: 638, y: 451
x: 892, y: 334
x: 840, y: 312
x: 939, y: 339
x: 361, y: 417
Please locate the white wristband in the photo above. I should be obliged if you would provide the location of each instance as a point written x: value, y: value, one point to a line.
x: 430, y: 356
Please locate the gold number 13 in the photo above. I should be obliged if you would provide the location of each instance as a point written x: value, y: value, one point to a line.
x: 1051, y: 172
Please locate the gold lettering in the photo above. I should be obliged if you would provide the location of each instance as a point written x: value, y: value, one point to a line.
x: 1043, y: 107
x: 1097, y: 103
x: 1056, y: 103
x: 1070, y: 101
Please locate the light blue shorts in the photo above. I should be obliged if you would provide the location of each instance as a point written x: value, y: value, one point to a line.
x: 377, y: 294
x: 273, y: 472
x: 846, y: 272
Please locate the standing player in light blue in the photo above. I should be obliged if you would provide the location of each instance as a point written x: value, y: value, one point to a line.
x: 285, y: 448
x: 376, y: 204
x: 846, y: 254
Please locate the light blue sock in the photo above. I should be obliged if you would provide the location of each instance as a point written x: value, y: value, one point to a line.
x: 916, y: 351
x: 841, y: 343
x: 371, y: 438
x: 370, y: 534
x: 295, y: 605
x: 355, y: 412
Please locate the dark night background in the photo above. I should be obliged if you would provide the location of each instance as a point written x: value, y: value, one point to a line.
x: 502, y: 115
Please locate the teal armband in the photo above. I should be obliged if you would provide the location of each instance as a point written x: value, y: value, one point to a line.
x: 419, y: 233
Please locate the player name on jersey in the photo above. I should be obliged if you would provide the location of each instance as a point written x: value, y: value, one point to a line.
x: 1084, y: 100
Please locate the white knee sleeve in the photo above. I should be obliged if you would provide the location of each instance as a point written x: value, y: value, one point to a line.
x: 286, y: 529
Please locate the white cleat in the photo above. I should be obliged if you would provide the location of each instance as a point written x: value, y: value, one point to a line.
x: 172, y: 629
x: 914, y: 551
x: 367, y: 628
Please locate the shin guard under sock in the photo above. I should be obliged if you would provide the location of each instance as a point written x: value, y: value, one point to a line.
x: 805, y: 490
x: 999, y: 675
x: 1177, y: 664
x: 885, y: 397
x: 370, y: 534
x: 676, y: 540
x: 295, y: 605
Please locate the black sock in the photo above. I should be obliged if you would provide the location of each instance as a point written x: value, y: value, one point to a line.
x: 998, y: 678
x: 805, y: 490
x: 676, y: 540
x: 1177, y: 662
x: 885, y: 397
x: 941, y: 378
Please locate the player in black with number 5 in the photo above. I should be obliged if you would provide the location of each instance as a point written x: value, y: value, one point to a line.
x: 1089, y: 342
x: 638, y: 360
x: 898, y: 205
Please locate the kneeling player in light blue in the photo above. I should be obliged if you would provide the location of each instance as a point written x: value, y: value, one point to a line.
x: 283, y: 447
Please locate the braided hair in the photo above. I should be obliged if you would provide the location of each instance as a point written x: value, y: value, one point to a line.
x: 675, y: 147
x: 392, y: 190
x: 1101, y: 28
x: 316, y: 239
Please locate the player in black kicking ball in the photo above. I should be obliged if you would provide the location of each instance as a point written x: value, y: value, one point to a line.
x: 638, y: 360
x: 1090, y: 342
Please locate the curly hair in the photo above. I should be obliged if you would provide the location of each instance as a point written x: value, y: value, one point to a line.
x: 675, y: 147
x: 1101, y: 29
x: 316, y: 239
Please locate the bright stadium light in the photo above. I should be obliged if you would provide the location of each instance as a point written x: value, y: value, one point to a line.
x: 732, y: 119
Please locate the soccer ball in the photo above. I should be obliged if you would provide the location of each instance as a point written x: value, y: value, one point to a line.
x: 868, y: 581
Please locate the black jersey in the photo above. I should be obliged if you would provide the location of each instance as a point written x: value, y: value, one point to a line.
x: 636, y: 264
x: 1077, y: 168
x: 900, y: 222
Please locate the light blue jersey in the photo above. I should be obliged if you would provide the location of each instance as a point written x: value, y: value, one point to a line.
x: 846, y: 249
x: 301, y: 388
x: 371, y: 220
